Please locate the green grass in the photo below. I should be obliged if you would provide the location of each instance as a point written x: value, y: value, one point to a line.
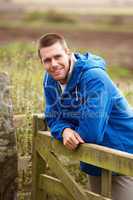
x: 118, y: 72
x: 110, y: 20
x: 110, y: 11
x: 49, y: 16
x: 26, y: 73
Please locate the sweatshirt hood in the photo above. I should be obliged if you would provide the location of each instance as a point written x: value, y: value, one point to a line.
x: 84, y: 62
x: 89, y: 61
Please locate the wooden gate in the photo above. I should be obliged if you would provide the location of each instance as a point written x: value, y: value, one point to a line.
x: 46, y: 152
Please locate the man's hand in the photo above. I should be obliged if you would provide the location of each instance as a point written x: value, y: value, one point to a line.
x: 71, y: 139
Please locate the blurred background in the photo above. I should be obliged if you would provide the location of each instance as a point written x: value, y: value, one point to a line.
x: 103, y: 27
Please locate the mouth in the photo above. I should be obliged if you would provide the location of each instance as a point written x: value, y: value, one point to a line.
x: 57, y: 72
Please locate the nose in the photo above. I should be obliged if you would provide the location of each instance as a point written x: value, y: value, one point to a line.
x: 53, y: 62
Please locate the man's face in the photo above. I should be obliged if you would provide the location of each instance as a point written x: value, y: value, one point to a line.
x: 56, y: 61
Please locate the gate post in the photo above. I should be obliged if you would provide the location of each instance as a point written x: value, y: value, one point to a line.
x: 38, y: 166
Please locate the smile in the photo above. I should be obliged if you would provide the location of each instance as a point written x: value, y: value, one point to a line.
x: 57, y: 72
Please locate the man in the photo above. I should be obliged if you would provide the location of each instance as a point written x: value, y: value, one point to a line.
x: 84, y: 105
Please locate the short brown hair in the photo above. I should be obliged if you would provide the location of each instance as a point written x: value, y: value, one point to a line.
x: 50, y: 39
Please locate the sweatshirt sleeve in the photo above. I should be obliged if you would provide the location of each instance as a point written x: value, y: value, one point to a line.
x: 54, y: 116
x: 95, y: 109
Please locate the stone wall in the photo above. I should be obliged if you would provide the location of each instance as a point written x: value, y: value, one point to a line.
x: 8, y: 151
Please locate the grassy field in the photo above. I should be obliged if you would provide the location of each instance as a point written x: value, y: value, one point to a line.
x: 20, y: 62
x: 97, y: 19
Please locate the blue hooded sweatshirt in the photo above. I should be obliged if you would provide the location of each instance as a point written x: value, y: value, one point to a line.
x: 92, y: 105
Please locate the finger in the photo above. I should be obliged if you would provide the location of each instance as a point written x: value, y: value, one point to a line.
x: 70, y: 146
x: 70, y: 143
x: 74, y: 140
x: 79, y: 138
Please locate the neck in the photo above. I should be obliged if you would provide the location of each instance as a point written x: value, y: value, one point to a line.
x: 63, y: 82
x: 71, y: 63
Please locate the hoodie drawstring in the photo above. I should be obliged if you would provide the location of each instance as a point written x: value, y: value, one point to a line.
x: 46, y: 80
x: 76, y: 90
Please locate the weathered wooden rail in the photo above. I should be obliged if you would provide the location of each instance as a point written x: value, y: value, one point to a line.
x: 46, y: 151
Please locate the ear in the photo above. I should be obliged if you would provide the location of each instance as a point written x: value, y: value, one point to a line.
x: 67, y: 50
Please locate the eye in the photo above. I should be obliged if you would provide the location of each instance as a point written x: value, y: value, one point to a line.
x: 46, y: 61
x: 58, y: 56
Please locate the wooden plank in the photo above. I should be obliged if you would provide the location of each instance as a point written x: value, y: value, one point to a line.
x: 106, y: 183
x: 40, y: 116
x: 97, y: 155
x: 19, y: 120
x: 94, y: 196
x: 55, y: 187
x: 38, y: 167
x: 55, y: 165
x: 42, y: 125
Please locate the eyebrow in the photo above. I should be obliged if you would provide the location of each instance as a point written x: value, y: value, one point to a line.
x: 49, y: 58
